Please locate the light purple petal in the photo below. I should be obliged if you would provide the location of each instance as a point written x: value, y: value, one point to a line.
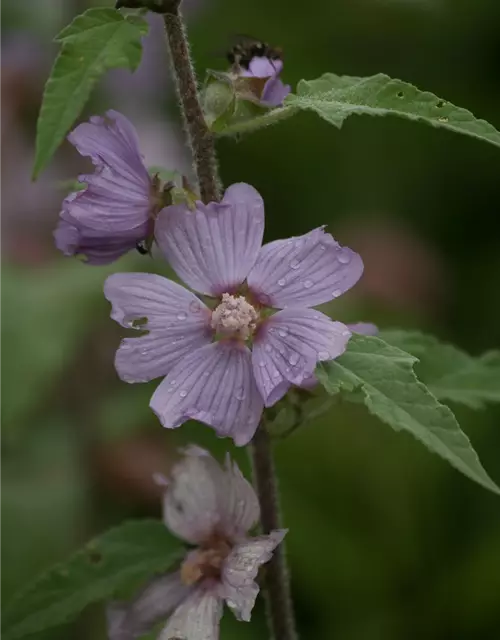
x: 197, y: 618
x: 304, y: 271
x: 192, y: 501
x: 97, y: 247
x: 365, y: 328
x: 275, y: 92
x: 130, y: 620
x: 214, y: 385
x: 201, y: 497
x: 240, y: 570
x: 117, y: 196
x: 288, y: 347
x: 176, y: 319
x: 262, y: 67
x: 213, y: 248
x: 239, y: 507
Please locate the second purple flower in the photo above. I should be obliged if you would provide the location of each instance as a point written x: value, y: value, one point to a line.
x: 224, y: 364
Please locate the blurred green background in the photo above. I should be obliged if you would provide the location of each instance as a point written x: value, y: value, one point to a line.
x: 386, y: 541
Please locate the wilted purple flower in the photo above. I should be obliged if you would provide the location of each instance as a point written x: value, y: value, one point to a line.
x: 274, y: 91
x: 212, y: 508
x: 116, y: 209
x: 217, y: 251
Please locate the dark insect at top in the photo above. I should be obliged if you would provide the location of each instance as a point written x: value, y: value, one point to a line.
x: 246, y: 48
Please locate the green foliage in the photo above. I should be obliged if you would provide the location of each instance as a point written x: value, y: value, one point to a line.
x: 451, y: 374
x: 335, y: 98
x: 117, y: 560
x: 383, y: 377
x: 97, y: 40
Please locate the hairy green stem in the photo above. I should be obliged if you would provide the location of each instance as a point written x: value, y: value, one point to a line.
x: 200, y: 138
x: 277, y: 582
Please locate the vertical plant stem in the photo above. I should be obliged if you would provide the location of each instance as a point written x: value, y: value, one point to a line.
x: 277, y: 582
x: 200, y: 138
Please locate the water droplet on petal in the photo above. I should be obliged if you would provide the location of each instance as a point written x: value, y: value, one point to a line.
x: 323, y: 355
x: 308, y: 284
x: 299, y: 243
x: 194, y: 306
x: 346, y: 333
x: 282, y: 282
x: 276, y: 374
x: 182, y: 316
x: 293, y: 359
x: 262, y: 363
x: 294, y: 264
x: 240, y: 394
x: 344, y: 256
x: 282, y: 332
x: 183, y: 393
x: 336, y: 293
x: 268, y: 348
x: 173, y: 382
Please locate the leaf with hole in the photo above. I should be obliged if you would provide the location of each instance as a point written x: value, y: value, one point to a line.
x: 391, y: 391
x: 97, y: 40
x: 335, y: 98
x: 120, y: 559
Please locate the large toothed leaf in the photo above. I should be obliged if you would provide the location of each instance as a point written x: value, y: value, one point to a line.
x: 383, y: 376
x: 97, y: 40
x: 119, y: 559
x: 451, y: 374
x: 335, y: 98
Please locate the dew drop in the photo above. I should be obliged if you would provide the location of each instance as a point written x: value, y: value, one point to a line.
x: 173, y: 382
x: 308, y: 284
x: 293, y: 359
x: 183, y: 393
x: 282, y: 332
x: 262, y: 363
x: 276, y: 374
x: 268, y: 348
x: 240, y: 394
x: 323, y: 355
x: 336, y: 293
x: 182, y: 316
x: 282, y: 282
x: 443, y: 119
x: 346, y: 333
x: 194, y: 306
x: 294, y: 264
x: 299, y: 243
x: 344, y: 257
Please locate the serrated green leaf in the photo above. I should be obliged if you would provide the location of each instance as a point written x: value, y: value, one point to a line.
x: 97, y: 40
x: 335, y: 98
x: 451, y: 374
x: 391, y: 391
x: 117, y: 560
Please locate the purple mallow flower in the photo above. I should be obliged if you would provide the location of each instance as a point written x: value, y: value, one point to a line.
x: 212, y: 508
x: 274, y: 91
x: 223, y: 364
x: 116, y: 209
